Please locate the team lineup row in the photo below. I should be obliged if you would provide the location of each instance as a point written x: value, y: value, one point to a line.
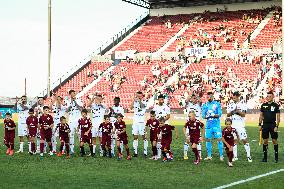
x: 108, y: 128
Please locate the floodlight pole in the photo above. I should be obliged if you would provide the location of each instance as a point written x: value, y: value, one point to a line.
x: 49, y: 48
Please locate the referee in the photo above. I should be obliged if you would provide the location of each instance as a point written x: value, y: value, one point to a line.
x: 268, y: 123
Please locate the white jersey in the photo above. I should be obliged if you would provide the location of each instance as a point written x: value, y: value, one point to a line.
x: 98, y: 111
x: 237, y: 119
x: 161, y: 111
x: 23, y: 112
x: 58, y: 111
x: 39, y: 110
x: 139, y: 112
x: 74, y: 112
x: 193, y: 107
x: 116, y: 110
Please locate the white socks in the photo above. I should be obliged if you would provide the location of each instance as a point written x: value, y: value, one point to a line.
x: 185, y: 149
x: 94, y: 148
x: 235, y: 151
x: 145, y: 146
x: 21, y: 147
x: 135, y: 146
x: 112, y: 145
x: 72, y: 143
x: 54, y: 143
x: 247, y: 148
x: 30, y: 146
x: 121, y: 146
x: 199, y: 146
x: 37, y: 144
x: 159, y: 149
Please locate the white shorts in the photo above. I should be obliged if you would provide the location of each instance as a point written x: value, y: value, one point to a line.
x: 22, y: 129
x: 241, y: 130
x: 73, y: 124
x: 95, y: 130
x: 138, y: 128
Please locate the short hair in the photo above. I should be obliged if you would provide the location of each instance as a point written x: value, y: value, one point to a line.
x: 31, y: 110
x: 99, y: 95
x: 85, y: 111
x: 116, y: 98
x: 71, y: 91
x: 270, y: 92
x: 8, y: 114
x: 119, y: 115
x: 45, y: 107
x: 161, y: 96
x: 59, y: 97
x: 62, y: 118
x: 106, y: 116
x: 209, y: 93
x: 24, y: 96
x: 228, y: 120
x: 152, y: 112
x: 139, y: 92
x: 236, y: 93
x: 40, y: 97
x: 192, y: 112
x: 162, y: 119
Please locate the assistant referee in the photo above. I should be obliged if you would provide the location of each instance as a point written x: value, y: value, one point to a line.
x: 268, y: 123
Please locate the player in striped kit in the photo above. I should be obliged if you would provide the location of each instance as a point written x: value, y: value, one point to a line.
x: 59, y: 110
x: 192, y: 105
x: 139, y: 106
x: 113, y: 112
x: 162, y: 110
x: 98, y: 112
x: 74, y: 108
x: 236, y: 110
x: 23, y: 109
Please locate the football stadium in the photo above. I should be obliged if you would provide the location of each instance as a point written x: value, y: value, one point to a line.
x: 190, y: 95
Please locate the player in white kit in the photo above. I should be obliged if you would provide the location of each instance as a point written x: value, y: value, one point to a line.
x: 98, y: 112
x: 139, y: 106
x: 23, y: 110
x: 192, y: 105
x: 162, y: 110
x: 236, y: 110
x: 113, y: 112
x: 38, y: 113
x: 74, y: 108
x: 58, y: 109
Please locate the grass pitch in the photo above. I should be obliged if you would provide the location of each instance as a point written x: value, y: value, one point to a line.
x: 25, y: 171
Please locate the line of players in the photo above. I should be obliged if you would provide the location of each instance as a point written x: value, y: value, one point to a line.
x: 211, y: 111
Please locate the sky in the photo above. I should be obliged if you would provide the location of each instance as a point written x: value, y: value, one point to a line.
x: 78, y: 29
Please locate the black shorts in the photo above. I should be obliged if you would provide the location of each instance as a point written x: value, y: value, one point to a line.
x: 269, y: 128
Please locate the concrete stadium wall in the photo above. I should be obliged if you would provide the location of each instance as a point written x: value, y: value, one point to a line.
x: 213, y: 8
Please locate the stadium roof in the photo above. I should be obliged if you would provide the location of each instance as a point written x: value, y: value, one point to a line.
x: 154, y: 4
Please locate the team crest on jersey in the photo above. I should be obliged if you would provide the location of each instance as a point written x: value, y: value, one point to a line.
x: 154, y: 123
x: 214, y: 107
x: 48, y: 118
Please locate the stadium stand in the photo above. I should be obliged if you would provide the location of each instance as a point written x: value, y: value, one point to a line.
x: 226, y: 68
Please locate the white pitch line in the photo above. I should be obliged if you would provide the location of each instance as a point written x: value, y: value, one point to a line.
x: 249, y: 179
